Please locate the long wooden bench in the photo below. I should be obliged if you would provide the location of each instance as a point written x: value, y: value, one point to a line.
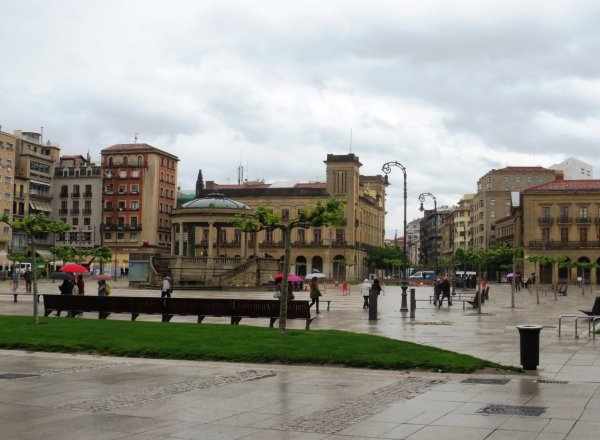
x: 236, y: 310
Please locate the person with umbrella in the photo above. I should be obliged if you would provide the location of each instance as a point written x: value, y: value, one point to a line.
x: 80, y: 284
x: 315, y: 293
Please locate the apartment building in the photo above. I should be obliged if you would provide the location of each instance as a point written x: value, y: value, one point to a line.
x: 7, y: 163
x: 139, y: 193
x: 462, y: 223
x: 33, y: 181
x: 78, y: 201
x: 493, y: 198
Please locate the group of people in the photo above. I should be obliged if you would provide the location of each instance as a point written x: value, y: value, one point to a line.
x: 441, y: 291
x: 69, y: 283
x: 522, y: 280
x: 366, y: 289
x: 27, y: 277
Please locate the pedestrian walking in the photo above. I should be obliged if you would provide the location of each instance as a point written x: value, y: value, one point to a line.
x: 80, y: 285
x: 376, y: 287
x: 445, y: 292
x: 27, y: 278
x: 365, y: 289
x: 315, y: 293
x: 167, y: 287
x: 101, y: 288
x: 437, y: 291
x: 15, y: 281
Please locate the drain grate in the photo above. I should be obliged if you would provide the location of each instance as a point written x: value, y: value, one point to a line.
x: 12, y: 376
x: 560, y: 382
x: 486, y: 381
x: 513, y: 410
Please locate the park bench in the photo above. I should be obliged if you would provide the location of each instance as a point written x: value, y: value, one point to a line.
x: 591, y: 316
x: 169, y: 307
x: 474, y: 302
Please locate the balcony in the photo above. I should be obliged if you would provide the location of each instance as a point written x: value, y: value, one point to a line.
x: 558, y: 244
x: 86, y: 211
x: 583, y: 220
x: 63, y: 194
x: 545, y: 221
x: 63, y: 211
x: 87, y: 195
x: 74, y: 211
x: 136, y: 227
x: 75, y: 195
x: 564, y: 220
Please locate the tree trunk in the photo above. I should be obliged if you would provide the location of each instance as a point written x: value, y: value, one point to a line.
x: 34, y: 281
x: 287, y: 239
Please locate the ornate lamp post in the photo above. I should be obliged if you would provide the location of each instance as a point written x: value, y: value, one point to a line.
x: 386, y: 168
x: 422, y: 199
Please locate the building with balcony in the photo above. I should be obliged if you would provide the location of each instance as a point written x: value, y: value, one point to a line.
x: 337, y: 251
x: 139, y: 194
x: 562, y: 218
x: 493, y: 199
x: 33, y: 181
x: 78, y: 201
x: 7, y: 196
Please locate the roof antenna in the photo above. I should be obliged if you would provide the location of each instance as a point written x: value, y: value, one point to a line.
x: 135, y: 137
x: 350, y: 139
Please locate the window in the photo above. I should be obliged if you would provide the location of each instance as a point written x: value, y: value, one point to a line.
x: 506, y: 180
x: 493, y: 214
x: 545, y: 212
x: 133, y: 236
x: 583, y: 235
x: 120, y: 236
x: 75, y: 221
x: 121, y: 189
x: 317, y: 236
x: 529, y: 179
x: 564, y: 236
x: 133, y: 221
x: 518, y: 179
x: 7, y: 180
x: 564, y: 211
x: 301, y: 235
x: 285, y: 214
x: 492, y: 202
x: 583, y: 212
x: 87, y: 221
x: 5, y: 230
x: 7, y: 197
x: 546, y: 234
x: 121, y: 205
x: 223, y: 236
x: 340, y: 236
x: 269, y: 236
x: 134, y: 204
x: 8, y: 163
x: 237, y: 236
x: 540, y: 179
x: 135, y: 189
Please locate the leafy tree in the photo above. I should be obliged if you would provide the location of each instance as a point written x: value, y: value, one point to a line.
x: 329, y: 213
x: 31, y: 226
x: 386, y: 257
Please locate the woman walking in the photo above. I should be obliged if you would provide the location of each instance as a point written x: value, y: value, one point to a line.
x: 376, y: 286
x: 315, y: 293
x: 365, y: 289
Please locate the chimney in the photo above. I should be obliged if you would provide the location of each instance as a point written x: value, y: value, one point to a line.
x: 559, y: 176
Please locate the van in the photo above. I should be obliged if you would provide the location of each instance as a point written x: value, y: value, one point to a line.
x: 20, y: 268
x: 423, y: 275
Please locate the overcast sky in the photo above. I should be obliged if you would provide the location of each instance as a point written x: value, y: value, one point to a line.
x: 448, y: 89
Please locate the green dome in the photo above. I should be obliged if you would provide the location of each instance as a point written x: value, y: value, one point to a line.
x: 215, y: 200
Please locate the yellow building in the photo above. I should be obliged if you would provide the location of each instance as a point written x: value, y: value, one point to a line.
x: 7, y: 163
x: 562, y: 218
x: 338, y: 252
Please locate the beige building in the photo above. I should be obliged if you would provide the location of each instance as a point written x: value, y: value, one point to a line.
x: 7, y: 163
x: 562, y: 218
x: 462, y: 223
x: 337, y: 251
x: 34, y: 172
x: 140, y: 190
x: 493, y: 198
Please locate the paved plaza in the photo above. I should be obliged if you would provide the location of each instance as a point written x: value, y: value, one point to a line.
x: 64, y: 396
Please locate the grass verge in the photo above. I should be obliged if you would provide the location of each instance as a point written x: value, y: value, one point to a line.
x: 230, y: 343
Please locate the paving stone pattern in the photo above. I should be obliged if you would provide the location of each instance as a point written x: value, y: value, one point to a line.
x: 513, y: 410
x: 155, y: 393
x: 349, y: 412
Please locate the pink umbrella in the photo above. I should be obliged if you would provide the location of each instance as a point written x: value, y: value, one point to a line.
x: 291, y: 277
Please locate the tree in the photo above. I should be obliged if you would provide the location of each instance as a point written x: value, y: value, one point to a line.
x: 329, y: 213
x: 31, y: 226
x: 386, y: 257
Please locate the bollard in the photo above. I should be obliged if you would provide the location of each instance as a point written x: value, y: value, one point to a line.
x: 530, y: 345
x: 413, y: 303
x: 373, y: 305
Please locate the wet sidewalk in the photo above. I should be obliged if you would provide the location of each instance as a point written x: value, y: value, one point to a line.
x: 47, y: 395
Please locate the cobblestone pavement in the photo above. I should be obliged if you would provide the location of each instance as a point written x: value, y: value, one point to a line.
x: 65, y: 396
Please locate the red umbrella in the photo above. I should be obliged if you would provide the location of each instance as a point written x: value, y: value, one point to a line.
x: 74, y: 268
x: 291, y: 277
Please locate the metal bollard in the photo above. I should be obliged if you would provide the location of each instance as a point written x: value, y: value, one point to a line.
x: 413, y: 303
x: 373, y: 305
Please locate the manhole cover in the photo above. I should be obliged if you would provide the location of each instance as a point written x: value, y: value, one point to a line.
x: 10, y: 376
x: 487, y: 381
x: 513, y: 410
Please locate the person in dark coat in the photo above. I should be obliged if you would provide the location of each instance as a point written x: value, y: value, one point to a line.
x: 445, y: 292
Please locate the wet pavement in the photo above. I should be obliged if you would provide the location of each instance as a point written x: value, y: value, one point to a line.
x: 63, y: 396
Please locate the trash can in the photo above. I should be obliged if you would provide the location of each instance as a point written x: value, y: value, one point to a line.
x: 530, y: 345
x: 373, y: 305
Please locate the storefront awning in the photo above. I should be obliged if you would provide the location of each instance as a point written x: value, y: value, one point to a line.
x: 40, y: 206
x: 39, y: 182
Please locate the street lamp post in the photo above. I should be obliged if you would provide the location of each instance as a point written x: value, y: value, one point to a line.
x: 386, y: 168
x: 422, y: 199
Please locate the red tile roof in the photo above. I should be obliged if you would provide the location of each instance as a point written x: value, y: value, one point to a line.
x: 566, y: 185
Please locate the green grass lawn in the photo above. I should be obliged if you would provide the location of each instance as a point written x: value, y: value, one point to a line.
x: 234, y: 343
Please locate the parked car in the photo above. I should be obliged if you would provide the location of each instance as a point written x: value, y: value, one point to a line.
x: 423, y: 275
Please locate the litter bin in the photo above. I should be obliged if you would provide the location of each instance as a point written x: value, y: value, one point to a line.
x: 373, y: 305
x: 530, y: 345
